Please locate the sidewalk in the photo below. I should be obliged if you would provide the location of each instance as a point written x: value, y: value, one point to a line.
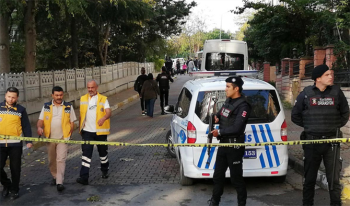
x: 296, y: 158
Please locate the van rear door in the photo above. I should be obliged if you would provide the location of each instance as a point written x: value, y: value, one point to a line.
x: 264, y: 125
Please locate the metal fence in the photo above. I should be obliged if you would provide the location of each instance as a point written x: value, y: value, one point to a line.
x: 39, y: 84
x: 308, y: 70
x: 342, y: 78
x: 296, y: 70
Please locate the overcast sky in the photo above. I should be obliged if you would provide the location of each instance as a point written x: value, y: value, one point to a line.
x: 213, y: 10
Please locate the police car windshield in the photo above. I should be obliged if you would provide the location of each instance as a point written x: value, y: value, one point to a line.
x: 224, y: 61
x: 265, y: 106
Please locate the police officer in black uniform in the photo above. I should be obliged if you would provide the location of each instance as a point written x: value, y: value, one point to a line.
x: 163, y: 79
x: 321, y: 109
x: 232, y: 118
x: 169, y: 65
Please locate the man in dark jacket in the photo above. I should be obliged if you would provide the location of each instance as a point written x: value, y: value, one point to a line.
x: 233, y: 118
x: 321, y: 109
x: 138, y: 87
x: 169, y: 65
x: 163, y: 80
x: 13, y: 121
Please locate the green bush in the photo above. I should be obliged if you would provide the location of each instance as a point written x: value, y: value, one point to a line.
x: 287, y: 105
x: 158, y: 63
x: 272, y: 83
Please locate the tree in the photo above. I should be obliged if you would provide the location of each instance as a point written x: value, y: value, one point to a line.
x: 6, y: 9
x: 276, y: 30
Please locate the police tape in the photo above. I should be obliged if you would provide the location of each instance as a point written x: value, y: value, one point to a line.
x: 297, y: 142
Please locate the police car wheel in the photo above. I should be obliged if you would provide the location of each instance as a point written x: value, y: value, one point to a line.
x: 279, y: 179
x: 169, y: 140
x: 184, y: 181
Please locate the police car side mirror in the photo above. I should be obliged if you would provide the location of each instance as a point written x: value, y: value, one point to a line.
x: 179, y: 111
x: 169, y: 109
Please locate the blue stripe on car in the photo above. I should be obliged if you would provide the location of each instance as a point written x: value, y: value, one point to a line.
x: 202, y: 157
x: 255, y: 134
x: 269, y: 132
x: 262, y: 161
x: 276, y: 155
x: 262, y: 133
x: 268, y: 155
x: 273, y: 147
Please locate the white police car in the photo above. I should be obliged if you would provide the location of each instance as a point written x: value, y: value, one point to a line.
x: 190, y: 123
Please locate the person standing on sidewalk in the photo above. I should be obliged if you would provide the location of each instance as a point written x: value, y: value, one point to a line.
x: 190, y: 66
x: 232, y: 118
x: 149, y: 92
x: 138, y: 87
x: 321, y: 109
x: 94, y: 124
x: 14, y: 121
x: 163, y: 80
x: 57, y: 117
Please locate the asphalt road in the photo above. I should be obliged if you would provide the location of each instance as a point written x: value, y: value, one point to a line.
x: 142, y: 175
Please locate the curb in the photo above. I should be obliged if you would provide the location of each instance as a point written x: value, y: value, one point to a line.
x: 321, y: 179
x: 123, y: 103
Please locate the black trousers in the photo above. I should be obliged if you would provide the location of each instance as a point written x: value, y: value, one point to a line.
x: 229, y: 157
x: 87, y: 153
x: 142, y: 101
x: 15, y: 155
x: 164, y: 96
x: 314, y: 153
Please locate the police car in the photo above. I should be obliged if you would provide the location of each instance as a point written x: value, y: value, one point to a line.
x: 190, y: 124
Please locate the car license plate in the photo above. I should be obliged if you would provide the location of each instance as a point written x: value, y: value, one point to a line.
x: 249, y: 154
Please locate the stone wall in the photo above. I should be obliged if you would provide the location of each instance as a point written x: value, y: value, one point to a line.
x: 35, y: 88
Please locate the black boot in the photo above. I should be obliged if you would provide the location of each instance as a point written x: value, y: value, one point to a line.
x: 212, y: 202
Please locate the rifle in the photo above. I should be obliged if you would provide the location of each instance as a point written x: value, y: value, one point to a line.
x: 211, y: 128
x: 210, y: 135
x: 334, y: 159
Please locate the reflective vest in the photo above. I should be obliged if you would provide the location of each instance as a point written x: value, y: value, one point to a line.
x: 100, y: 112
x: 11, y: 124
x: 321, y: 114
x: 65, y: 122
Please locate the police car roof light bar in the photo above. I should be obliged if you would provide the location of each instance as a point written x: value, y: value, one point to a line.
x: 242, y: 73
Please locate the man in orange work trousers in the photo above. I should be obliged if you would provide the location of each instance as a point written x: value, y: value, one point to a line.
x: 57, y: 117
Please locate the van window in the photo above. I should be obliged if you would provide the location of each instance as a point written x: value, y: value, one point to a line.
x: 224, y: 61
x: 184, y: 102
x: 265, y: 105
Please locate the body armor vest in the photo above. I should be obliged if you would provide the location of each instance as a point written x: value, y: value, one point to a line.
x: 321, y: 115
x: 163, y: 81
x: 228, y: 115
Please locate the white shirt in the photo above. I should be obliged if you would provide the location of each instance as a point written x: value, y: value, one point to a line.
x: 90, y: 119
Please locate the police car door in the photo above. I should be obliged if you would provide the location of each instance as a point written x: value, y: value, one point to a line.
x: 180, y: 118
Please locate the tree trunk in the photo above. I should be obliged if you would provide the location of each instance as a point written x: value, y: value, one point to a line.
x: 4, y: 43
x: 75, y: 60
x: 103, y: 45
x: 30, y: 33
